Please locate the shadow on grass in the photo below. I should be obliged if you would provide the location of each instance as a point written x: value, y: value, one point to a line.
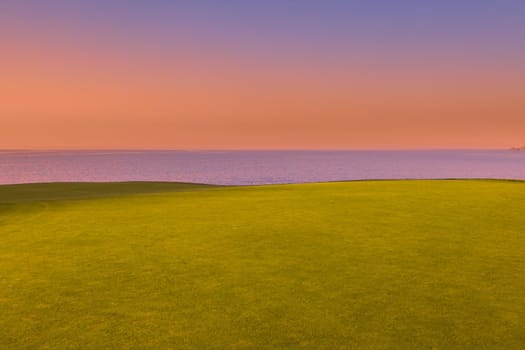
x: 37, y: 192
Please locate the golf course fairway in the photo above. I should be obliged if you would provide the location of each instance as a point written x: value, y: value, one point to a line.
x: 434, y: 264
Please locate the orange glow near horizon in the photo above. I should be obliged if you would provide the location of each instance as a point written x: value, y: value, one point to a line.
x: 56, y: 95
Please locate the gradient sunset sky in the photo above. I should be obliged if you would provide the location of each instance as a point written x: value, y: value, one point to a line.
x: 262, y: 74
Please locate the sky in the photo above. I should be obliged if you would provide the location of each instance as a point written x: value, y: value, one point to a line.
x: 326, y: 74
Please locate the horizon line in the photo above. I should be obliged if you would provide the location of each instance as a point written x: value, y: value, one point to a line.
x: 190, y: 149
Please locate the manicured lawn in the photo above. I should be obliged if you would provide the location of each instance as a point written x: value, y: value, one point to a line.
x: 364, y: 265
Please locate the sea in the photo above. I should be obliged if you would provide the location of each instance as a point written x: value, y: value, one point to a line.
x: 256, y: 167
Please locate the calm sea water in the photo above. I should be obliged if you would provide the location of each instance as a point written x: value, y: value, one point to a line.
x: 256, y: 167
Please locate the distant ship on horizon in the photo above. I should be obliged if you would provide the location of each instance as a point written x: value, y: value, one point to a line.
x: 518, y: 148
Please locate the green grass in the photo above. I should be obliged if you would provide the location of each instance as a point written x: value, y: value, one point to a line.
x: 365, y: 265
